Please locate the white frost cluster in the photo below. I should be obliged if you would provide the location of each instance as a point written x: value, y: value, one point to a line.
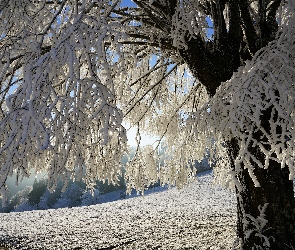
x: 60, y: 114
x: 259, y: 226
x: 188, y: 21
x: 164, y: 112
x: 266, y: 82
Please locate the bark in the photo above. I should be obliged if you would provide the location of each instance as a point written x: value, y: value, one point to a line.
x: 277, y: 191
x: 213, y: 66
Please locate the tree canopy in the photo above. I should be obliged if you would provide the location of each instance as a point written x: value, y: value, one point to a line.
x: 72, y: 71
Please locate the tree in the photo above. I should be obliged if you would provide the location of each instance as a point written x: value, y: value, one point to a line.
x: 19, y: 199
x: 71, y: 197
x: 39, y: 187
x: 90, y: 198
x: 70, y: 71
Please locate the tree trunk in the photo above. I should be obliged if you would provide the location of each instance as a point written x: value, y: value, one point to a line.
x: 276, y: 194
x: 213, y: 63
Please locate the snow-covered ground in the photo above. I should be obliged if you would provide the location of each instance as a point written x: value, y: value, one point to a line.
x: 200, y: 216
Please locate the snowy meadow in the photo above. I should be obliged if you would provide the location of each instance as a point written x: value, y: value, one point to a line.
x: 200, y: 216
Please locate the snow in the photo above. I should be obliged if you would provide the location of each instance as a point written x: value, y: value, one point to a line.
x: 200, y: 216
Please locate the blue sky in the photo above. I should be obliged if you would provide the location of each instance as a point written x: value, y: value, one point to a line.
x: 128, y: 3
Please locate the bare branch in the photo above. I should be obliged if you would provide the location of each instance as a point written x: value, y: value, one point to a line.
x: 248, y: 26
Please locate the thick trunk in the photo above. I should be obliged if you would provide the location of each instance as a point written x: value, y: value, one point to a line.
x: 214, y: 62
x: 276, y: 194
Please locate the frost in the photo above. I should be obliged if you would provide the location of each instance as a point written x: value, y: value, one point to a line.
x: 197, y: 217
x: 71, y: 72
x: 265, y: 82
x: 259, y: 226
x: 62, y: 116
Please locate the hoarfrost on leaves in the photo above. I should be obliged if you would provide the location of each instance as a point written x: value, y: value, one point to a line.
x: 181, y: 114
x: 62, y: 114
x: 265, y: 82
x: 258, y: 226
x: 71, y: 71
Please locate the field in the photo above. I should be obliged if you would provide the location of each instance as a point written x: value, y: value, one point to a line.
x: 200, y: 216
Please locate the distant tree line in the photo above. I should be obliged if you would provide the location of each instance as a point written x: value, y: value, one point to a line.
x: 37, y: 196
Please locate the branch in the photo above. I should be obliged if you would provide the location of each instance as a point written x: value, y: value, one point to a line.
x: 172, y: 7
x: 53, y: 19
x: 163, y: 44
x: 18, y: 65
x: 149, y: 106
x: 248, y: 26
x: 3, y: 5
x: 142, y: 18
x: 203, y: 63
x: 272, y: 9
x: 206, y: 8
x: 109, y: 12
x: 160, y: 24
x: 11, y: 60
x: 167, y: 10
x: 234, y: 32
x: 194, y: 90
x: 271, y: 17
x: 262, y: 20
x: 219, y: 22
x: 151, y: 88
x: 155, y: 67
x: 54, y: 2
x: 267, y: 22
